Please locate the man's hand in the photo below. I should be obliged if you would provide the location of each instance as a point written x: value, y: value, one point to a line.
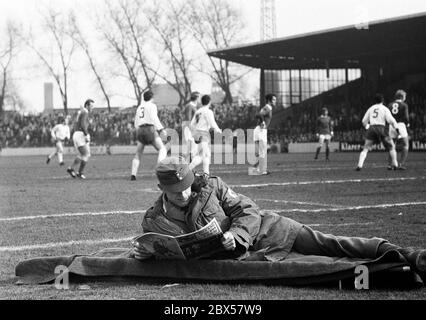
x: 88, y: 138
x: 228, y: 241
x: 139, y: 252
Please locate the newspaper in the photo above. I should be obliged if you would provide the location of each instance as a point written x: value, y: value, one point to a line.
x: 195, y: 245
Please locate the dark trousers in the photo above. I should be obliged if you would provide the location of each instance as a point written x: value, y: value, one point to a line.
x: 311, y: 242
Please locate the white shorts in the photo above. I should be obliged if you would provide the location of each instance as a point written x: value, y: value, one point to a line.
x: 60, y: 146
x: 187, y: 135
x: 260, y: 134
x: 79, y: 139
x: 403, y: 133
x: 324, y: 137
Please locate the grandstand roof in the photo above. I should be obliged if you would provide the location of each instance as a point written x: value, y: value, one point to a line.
x: 334, y: 48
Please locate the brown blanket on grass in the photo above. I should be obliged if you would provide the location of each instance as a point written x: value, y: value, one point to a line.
x: 296, y: 269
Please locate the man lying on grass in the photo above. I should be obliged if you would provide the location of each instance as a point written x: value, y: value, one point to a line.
x: 190, y: 201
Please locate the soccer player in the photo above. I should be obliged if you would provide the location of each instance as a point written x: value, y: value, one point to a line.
x: 148, y: 131
x: 264, y: 118
x: 201, y: 124
x: 59, y: 133
x: 81, y: 139
x: 375, y: 120
x: 324, y: 132
x: 399, y: 110
x: 188, y: 114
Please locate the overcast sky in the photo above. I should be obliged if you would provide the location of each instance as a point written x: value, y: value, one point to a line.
x: 293, y: 17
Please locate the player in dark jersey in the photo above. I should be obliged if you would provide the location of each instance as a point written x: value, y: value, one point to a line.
x: 81, y: 139
x: 324, y: 133
x: 399, y: 110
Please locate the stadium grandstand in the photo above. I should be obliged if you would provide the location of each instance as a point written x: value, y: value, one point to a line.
x: 340, y: 69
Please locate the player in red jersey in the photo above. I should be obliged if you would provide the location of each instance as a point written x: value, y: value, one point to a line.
x: 81, y: 138
x: 399, y: 110
x: 324, y: 133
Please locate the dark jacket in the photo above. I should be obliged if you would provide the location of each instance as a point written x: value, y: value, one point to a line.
x: 259, y: 236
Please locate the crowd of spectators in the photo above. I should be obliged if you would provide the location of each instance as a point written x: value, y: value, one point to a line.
x: 116, y: 128
x: 299, y: 125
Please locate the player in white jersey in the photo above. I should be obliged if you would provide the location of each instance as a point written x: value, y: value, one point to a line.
x: 260, y: 136
x: 375, y: 120
x: 188, y: 113
x: 59, y: 134
x: 201, y: 124
x: 149, y: 129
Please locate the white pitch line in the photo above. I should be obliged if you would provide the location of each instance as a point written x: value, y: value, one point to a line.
x: 334, y: 209
x: 104, y: 213
x: 355, y: 208
x: 62, y: 244
x: 301, y: 203
x: 65, y: 215
x: 217, y: 171
x: 53, y: 245
x: 292, y: 183
x: 280, y: 184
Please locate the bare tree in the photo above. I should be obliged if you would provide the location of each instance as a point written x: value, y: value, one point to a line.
x: 216, y: 24
x: 56, y: 26
x: 169, y: 23
x: 8, y: 51
x: 80, y: 39
x: 125, y: 32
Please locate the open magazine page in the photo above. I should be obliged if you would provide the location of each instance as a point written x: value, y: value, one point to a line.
x: 203, y: 242
x: 194, y: 245
x: 161, y: 246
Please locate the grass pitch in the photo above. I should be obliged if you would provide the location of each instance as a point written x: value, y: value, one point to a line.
x: 43, y: 212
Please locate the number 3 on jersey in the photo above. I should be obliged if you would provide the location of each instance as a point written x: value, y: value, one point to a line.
x: 395, y: 108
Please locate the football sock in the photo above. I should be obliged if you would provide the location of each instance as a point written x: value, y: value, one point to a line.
x: 196, y: 161
x: 76, y: 163
x: 392, y: 154
x: 318, y: 151
x: 60, y: 157
x: 52, y: 155
x: 362, y: 157
x: 162, y: 154
x: 206, y: 165
x: 327, y: 152
x: 82, y: 166
x: 263, y: 164
x: 404, y: 156
x: 135, y: 166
